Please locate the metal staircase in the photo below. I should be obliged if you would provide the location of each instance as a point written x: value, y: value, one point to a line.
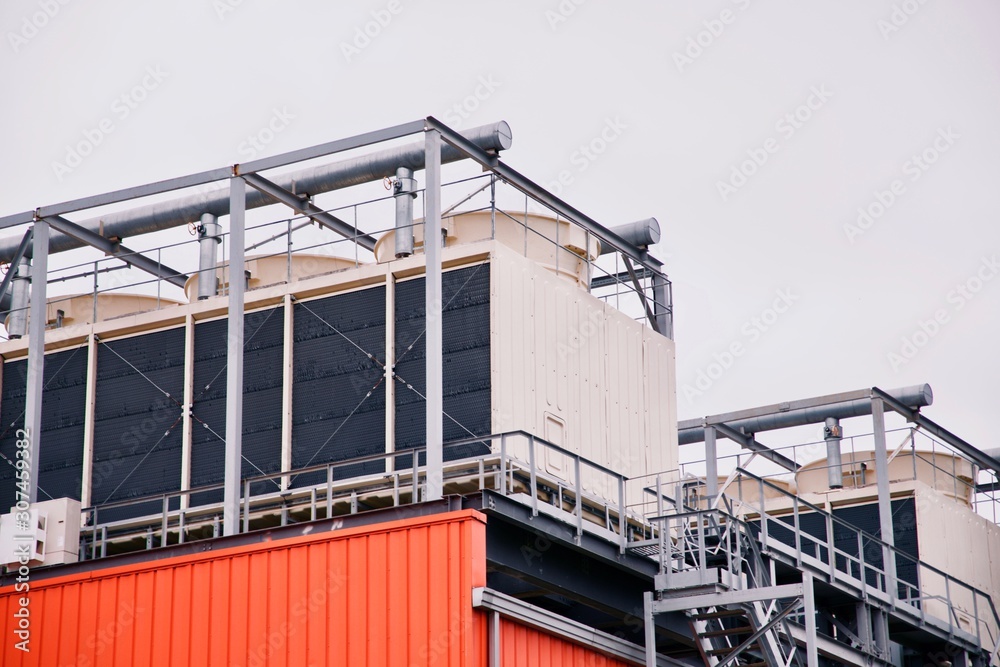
x: 712, y: 569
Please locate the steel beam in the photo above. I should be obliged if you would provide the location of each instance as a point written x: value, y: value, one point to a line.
x: 542, y: 195
x: 432, y: 317
x: 37, y: 316
x: 338, y: 146
x: 884, y: 498
x: 116, y: 196
x: 234, y: 357
x: 763, y: 594
x: 980, y: 458
x: 22, y: 247
x: 108, y: 247
x: 307, y: 208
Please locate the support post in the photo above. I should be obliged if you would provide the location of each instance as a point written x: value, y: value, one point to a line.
x: 432, y: 309
x: 234, y: 358
x: 90, y: 403
x: 711, y: 466
x: 36, y: 349
x: 809, y: 611
x: 187, y: 423
x: 650, y: 628
x: 390, y: 368
x: 287, y: 368
x: 884, y: 500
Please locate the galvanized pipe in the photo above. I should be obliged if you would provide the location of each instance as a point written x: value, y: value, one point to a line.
x: 917, y: 396
x: 17, y: 323
x: 494, y: 137
x: 405, y: 188
x: 209, y: 238
x: 832, y: 432
x: 641, y: 233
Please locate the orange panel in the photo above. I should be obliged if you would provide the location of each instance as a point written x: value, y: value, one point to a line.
x: 392, y: 593
x: 521, y: 646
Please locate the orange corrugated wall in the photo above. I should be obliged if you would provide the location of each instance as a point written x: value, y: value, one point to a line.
x: 521, y: 646
x: 397, y: 593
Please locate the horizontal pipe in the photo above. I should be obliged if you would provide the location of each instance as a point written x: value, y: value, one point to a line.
x: 641, y: 233
x: 311, y: 181
x: 917, y: 396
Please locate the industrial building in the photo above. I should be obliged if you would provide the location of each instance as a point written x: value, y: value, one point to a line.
x: 306, y: 435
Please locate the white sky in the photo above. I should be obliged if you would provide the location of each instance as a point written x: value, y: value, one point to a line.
x: 888, y: 90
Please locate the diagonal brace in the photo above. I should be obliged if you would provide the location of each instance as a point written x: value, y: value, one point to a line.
x: 12, y: 267
x: 307, y: 208
x: 749, y: 442
x: 764, y: 629
x: 117, y: 250
x: 642, y: 295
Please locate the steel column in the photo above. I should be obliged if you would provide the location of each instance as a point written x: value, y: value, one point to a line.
x: 884, y: 500
x: 90, y: 402
x: 650, y: 629
x: 809, y: 610
x: 711, y: 466
x: 38, y: 314
x: 234, y: 358
x: 432, y: 309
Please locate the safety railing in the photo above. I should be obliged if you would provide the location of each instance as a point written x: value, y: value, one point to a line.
x: 587, y: 494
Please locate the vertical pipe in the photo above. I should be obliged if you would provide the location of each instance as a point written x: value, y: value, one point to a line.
x: 87, y: 480
x: 884, y: 501
x: 835, y: 470
x: 17, y: 325
x: 234, y: 359
x: 404, y: 190
x: 36, y: 349
x: 432, y: 308
x: 711, y: 467
x: 209, y: 237
x: 650, y: 629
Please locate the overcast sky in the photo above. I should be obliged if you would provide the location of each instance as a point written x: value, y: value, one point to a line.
x: 825, y: 174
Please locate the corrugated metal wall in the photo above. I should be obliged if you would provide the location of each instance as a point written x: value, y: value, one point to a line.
x: 521, y: 646
x: 398, y: 593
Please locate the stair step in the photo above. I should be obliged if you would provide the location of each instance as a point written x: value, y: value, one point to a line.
x: 719, y: 613
x: 742, y: 630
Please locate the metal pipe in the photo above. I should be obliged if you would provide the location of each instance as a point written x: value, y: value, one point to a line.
x: 209, y: 238
x: 917, y: 396
x: 405, y: 189
x: 312, y: 181
x: 832, y: 432
x: 434, y: 355
x: 17, y: 323
x: 234, y: 365
x: 641, y: 233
